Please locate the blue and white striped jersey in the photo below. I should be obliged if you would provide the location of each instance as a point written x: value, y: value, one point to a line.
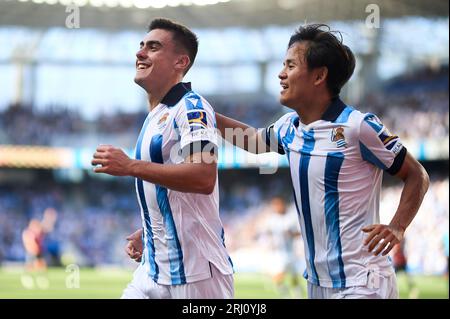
x: 182, y: 231
x: 336, y: 168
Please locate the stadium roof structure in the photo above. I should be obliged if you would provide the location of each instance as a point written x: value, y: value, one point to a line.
x: 134, y: 14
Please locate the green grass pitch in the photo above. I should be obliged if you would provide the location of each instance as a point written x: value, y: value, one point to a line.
x: 109, y: 283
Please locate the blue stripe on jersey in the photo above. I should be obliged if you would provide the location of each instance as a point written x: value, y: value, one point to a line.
x: 222, y: 235
x: 335, y: 264
x: 175, y: 253
x: 288, y: 137
x: 370, y: 157
x: 154, y: 269
x: 343, y: 117
x: 305, y: 157
x: 374, y: 122
x: 189, y: 100
x: 305, y: 273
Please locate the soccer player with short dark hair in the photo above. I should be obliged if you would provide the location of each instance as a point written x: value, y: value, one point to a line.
x: 181, y: 243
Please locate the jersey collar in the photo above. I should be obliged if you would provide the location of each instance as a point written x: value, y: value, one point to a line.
x: 334, y: 110
x: 176, y: 93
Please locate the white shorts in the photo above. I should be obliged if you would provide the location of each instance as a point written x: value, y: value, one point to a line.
x: 218, y: 286
x: 380, y: 285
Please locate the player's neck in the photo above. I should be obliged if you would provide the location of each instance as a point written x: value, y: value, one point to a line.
x: 154, y: 100
x: 314, y: 109
x: 157, y: 94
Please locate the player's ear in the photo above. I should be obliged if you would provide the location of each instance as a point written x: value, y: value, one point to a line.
x: 320, y: 75
x: 183, y: 61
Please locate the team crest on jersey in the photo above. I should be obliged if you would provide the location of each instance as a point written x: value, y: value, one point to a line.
x: 337, y: 135
x: 162, y: 120
x: 197, y: 119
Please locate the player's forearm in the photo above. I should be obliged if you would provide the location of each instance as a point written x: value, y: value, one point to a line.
x: 187, y: 177
x: 241, y: 134
x: 415, y: 187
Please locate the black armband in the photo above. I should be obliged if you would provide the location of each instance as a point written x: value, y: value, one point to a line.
x: 271, y: 139
x: 398, y: 162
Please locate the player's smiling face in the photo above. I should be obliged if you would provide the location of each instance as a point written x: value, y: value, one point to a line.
x: 295, y: 79
x: 155, y: 59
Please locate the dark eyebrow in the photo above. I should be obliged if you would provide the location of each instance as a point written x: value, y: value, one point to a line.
x: 151, y: 43
x: 288, y: 61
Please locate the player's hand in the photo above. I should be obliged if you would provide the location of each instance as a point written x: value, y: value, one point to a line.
x: 132, y: 252
x: 134, y: 245
x: 113, y: 161
x: 385, y: 236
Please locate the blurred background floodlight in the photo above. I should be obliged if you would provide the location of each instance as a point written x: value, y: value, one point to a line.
x: 112, y: 3
x: 126, y: 3
x: 174, y: 3
x: 80, y: 3
x: 97, y: 3
x: 144, y: 4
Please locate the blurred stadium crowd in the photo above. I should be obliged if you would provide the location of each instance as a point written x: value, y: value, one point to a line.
x: 421, y: 98
x: 95, y: 217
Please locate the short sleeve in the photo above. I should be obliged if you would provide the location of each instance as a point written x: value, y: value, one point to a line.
x: 273, y: 133
x: 196, y: 123
x: 379, y: 146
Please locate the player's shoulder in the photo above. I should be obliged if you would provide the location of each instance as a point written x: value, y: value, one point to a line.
x: 355, y: 117
x: 287, y: 119
x: 290, y: 116
x: 193, y: 101
x: 369, y: 116
x: 371, y: 120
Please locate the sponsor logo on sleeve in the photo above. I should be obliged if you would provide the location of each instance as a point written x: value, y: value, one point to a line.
x: 397, y: 148
x: 386, y: 137
x: 197, y: 120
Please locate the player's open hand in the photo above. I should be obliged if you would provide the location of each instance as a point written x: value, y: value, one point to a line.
x: 112, y: 161
x: 385, y: 236
x: 134, y: 246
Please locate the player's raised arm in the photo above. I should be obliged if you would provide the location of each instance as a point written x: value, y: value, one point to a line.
x: 195, y: 175
x: 242, y: 135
